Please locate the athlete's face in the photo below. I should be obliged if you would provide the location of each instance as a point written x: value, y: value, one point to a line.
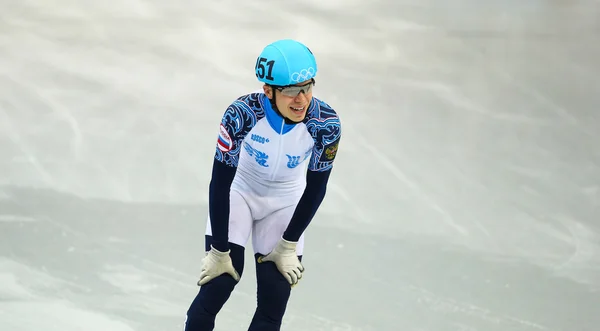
x: 292, y: 102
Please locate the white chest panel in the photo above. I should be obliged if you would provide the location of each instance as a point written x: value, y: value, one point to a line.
x: 272, y: 157
x: 267, y: 156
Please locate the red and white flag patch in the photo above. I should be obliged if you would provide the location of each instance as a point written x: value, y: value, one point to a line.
x: 224, y: 142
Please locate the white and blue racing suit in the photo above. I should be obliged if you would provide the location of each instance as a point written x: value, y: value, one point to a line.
x: 273, y: 174
x: 268, y: 179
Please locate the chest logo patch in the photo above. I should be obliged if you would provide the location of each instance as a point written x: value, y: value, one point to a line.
x: 259, y: 139
x: 259, y: 157
x: 294, y: 161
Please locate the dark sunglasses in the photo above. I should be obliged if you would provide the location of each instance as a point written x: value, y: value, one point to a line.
x: 294, y: 90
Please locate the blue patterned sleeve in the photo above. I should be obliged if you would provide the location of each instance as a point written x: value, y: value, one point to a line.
x: 235, y: 125
x: 237, y: 121
x: 326, y: 132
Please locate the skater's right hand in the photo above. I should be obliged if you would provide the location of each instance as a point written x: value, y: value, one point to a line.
x: 216, y: 263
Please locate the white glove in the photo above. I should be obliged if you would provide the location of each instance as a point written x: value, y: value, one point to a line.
x: 216, y: 263
x: 285, y: 258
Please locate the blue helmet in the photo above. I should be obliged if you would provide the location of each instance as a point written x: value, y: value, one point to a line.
x: 285, y: 62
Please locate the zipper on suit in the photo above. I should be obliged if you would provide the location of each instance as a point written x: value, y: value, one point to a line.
x: 278, y: 156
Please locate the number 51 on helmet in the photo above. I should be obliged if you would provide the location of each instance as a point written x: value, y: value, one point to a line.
x: 285, y: 62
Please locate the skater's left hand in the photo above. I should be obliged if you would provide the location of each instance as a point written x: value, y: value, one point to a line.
x: 285, y: 258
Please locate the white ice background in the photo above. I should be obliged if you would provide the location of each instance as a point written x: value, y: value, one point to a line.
x: 465, y: 195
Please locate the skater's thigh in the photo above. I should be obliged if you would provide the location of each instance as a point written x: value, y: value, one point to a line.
x: 240, y: 220
x: 268, y: 231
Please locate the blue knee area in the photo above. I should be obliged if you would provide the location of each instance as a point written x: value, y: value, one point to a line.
x: 213, y: 295
x: 273, y: 293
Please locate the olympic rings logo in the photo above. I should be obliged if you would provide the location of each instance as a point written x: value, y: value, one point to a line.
x: 304, y: 74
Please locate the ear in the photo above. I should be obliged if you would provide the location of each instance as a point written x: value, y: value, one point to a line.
x: 268, y: 91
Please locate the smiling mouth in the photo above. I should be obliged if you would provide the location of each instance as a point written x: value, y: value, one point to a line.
x: 297, y: 109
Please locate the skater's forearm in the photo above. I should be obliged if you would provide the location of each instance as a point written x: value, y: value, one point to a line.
x: 314, y: 193
x: 222, y: 176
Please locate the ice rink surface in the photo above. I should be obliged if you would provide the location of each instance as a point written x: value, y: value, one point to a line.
x: 465, y: 195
